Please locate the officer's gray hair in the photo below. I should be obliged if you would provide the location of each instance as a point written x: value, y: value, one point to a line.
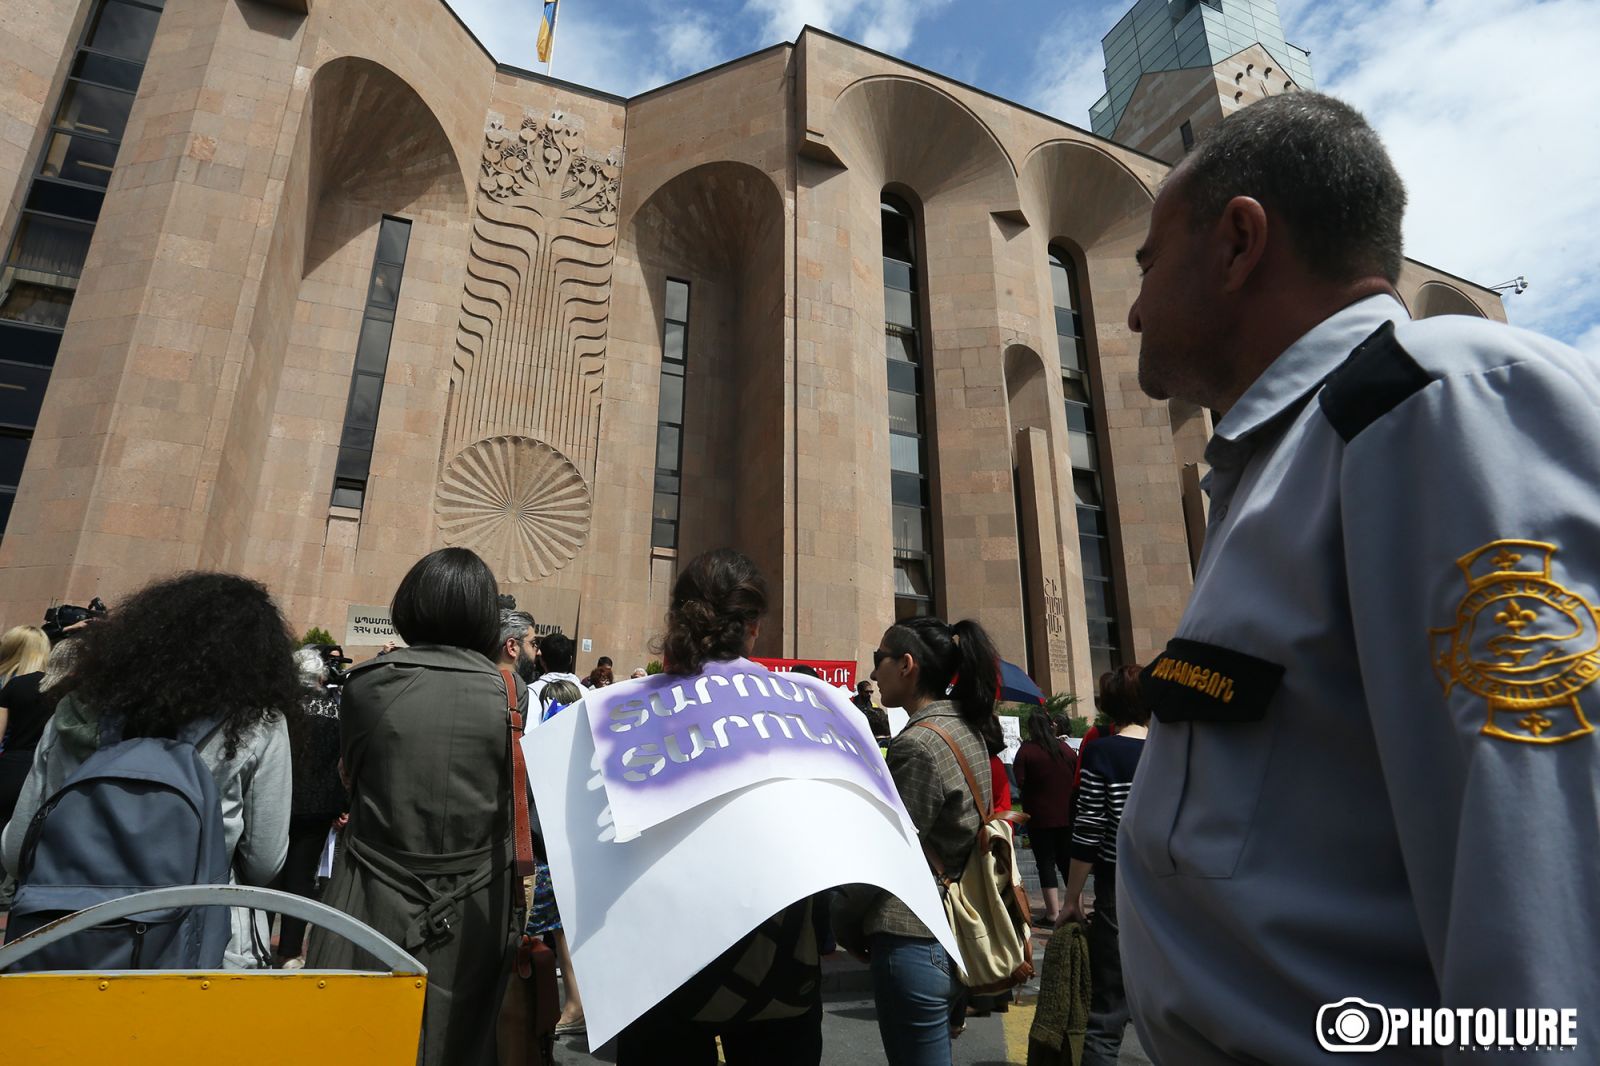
x: 1316, y: 163
x: 514, y: 625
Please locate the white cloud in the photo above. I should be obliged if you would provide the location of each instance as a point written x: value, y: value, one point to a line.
x: 598, y: 46
x: 1588, y: 341
x: 1487, y: 107
x: 1067, y: 74
x: 886, y: 25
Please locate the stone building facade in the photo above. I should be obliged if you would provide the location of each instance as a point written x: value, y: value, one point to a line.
x: 348, y: 291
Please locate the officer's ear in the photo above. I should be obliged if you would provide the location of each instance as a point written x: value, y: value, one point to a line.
x: 1240, y: 236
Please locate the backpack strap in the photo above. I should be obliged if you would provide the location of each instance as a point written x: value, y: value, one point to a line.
x: 972, y: 787
x: 523, y: 841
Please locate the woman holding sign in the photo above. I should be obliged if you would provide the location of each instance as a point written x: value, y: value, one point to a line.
x: 763, y: 996
x: 944, y: 676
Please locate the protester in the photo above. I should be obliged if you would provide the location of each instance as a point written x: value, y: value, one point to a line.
x: 944, y: 676
x: 1396, y: 594
x: 1107, y: 778
x: 318, y: 798
x: 169, y: 658
x: 718, y: 602
x: 556, y: 696
x: 602, y: 675
x: 638, y: 673
x: 544, y: 918
x: 518, y: 651
x: 877, y: 720
x: 427, y: 857
x: 24, y: 653
x: 1045, y: 769
x: 557, y: 654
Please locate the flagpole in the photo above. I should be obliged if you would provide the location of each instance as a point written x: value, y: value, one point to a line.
x: 550, y: 64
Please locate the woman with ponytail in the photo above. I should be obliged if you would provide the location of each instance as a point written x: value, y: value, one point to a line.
x: 945, y: 677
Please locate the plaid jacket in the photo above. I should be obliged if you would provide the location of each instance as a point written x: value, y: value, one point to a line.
x: 937, y: 798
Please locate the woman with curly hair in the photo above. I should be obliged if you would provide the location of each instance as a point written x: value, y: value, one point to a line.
x: 198, y: 647
x: 427, y: 860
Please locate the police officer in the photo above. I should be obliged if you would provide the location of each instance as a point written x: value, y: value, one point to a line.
x: 1368, y: 815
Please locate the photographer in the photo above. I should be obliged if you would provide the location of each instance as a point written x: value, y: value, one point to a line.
x: 318, y: 800
x: 66, y: 618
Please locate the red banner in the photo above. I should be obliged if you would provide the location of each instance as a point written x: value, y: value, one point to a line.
x: 835, y: 672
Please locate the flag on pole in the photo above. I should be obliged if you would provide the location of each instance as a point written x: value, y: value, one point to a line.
x: 547, y: 30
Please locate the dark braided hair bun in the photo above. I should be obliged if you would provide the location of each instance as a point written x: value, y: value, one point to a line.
x: 715, y: 600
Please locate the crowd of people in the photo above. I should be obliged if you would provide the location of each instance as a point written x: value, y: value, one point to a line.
x: 1229, y: 898
x: 399, y: 767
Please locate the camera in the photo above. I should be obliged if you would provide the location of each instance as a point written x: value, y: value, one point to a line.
x: 1352, y: 1024
x: 334, y: 658
x: 58, y: 619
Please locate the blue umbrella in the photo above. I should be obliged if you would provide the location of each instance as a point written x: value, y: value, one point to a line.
x: 1016, y: 686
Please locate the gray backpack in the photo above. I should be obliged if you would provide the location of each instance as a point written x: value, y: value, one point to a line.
x: 138, y: 814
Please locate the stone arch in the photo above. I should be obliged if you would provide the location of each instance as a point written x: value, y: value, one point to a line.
x: 902, y: 131
x: 1438, y: 298
x: 715, y: 218
x: 366, y: 145
x: 1027, y: 391
x: 1082, y: 193
x: 375, y: 144
x: 720, y: 226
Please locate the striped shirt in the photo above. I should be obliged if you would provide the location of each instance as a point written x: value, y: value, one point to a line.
x: 1107, y: 775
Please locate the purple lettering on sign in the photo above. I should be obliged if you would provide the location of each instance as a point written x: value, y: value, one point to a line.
x: 668, y: 743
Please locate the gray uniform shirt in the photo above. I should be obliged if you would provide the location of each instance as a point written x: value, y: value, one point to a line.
x: 1372, y: 772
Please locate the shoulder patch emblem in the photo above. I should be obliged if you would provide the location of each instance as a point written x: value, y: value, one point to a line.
x: 1521, y: 640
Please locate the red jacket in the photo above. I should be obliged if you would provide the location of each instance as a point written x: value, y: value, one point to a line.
x: 999, y: 784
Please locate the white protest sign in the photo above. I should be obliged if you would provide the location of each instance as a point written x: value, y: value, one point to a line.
x: 898, y: 717
x: 669, y: 743
x: 1011, y: 730
x: 369, y: 627
x: 641, y: 917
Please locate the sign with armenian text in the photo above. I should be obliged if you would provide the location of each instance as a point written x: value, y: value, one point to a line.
x: 669, y: 742
x: 369, y: 627
x: 683, y: 892
x: 836, y: 672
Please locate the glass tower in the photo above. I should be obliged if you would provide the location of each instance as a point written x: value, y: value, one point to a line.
x: 1181, y: 34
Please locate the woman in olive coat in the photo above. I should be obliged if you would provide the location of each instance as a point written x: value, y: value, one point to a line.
x: 427, y: 857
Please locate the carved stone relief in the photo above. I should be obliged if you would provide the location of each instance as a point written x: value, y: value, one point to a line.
x: 517, y: 502
x: 530, y: 351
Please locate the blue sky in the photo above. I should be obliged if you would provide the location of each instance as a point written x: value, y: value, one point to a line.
x: 1491, y: 108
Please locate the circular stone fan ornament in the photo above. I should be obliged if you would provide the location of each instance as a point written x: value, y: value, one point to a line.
x: 517, y: 502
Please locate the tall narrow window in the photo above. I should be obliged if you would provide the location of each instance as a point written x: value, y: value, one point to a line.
x: 1186, y: 131
x: 45, y: 254
x: 669, y: 422
x: 908, y: 445
x: 1094, y: 544
x: 372, y: 362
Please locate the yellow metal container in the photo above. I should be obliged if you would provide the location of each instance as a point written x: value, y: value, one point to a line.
x: 241, y: 1018
x: 226, y: 1018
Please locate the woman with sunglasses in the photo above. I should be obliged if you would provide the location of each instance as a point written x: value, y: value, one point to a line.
x: 944, y: 676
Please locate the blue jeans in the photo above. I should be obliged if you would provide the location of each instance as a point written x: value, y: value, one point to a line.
x: 914, y: 982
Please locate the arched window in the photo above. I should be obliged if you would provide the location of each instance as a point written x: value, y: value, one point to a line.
x: 908, y: 445
x: 1094, y: 544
